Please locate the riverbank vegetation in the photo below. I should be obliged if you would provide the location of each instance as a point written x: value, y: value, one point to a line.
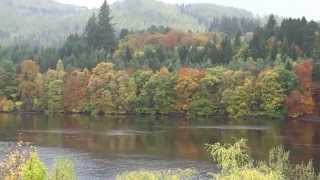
x: 235, y: 163
x: 271, y: 72
x: 23, y: 162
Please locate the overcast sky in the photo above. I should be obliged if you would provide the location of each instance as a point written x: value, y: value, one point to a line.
x: 291, y: 8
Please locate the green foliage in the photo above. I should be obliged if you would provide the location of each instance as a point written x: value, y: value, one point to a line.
x: 271, y: 92
x: 157, y: 94
x: 157, y: 175
x: 105, y: 32
x: 8, y: 82
x: 202, y: 107
x: 316, y: 70
x: 239, y: 101
x: 34, y: 169
x: 63, y: 170
x: 230, y: 156
x: 55, y: 96
x: 236, y: 164
x: 206, y: 101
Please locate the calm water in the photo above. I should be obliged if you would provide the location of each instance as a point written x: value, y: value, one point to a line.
x: 105, y: 146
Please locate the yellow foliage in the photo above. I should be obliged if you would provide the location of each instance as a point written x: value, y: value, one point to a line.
x: 6, y: 105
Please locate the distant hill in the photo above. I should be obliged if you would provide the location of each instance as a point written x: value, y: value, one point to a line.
x: 141, y: 14
x: 39, y: 21
x: 49, y: 22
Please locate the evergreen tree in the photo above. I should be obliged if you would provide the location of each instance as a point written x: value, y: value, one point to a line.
x: 106, y: 37
x: 256, y: 46
x: 237, y: 41
x: 270, y: 28
x: 123, y: 33
x: 226, y: 50
x: 91, y: 32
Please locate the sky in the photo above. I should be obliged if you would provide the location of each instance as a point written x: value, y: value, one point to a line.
x: 287, y: 8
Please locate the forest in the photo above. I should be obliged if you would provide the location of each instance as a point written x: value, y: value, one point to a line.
x: 229, y: 70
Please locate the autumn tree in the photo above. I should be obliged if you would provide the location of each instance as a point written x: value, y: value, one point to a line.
x: 75, y: 91
x: 110, y: 91
x: 240, y: 100
x: 157, y: 94
x: 188, y: 83
x: 53, y: 98
x: 271, y: 92
x: 30, y: 84
x: 206, y: 100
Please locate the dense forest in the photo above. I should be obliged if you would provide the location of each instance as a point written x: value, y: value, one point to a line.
x: 238, y: 68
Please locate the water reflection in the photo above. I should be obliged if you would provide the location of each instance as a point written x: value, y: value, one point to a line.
x: 303, y: 138
x: 153, y: 142
x: 165, y: 137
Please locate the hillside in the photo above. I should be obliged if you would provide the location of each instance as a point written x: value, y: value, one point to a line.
x: 39, y: 21
x: 48, y: 22
x: 141, y: 14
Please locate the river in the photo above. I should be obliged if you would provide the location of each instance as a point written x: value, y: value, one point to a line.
x: 102, y: 147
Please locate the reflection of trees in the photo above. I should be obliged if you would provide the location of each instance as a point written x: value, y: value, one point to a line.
x: 304, y: 139
x: 163, y: 136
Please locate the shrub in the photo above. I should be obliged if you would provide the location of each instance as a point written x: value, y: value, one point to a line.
x: 157, y: 175
x: 11, y: 167
x: 63, y: 170
x: 34, y: 169
x: 236, y: 164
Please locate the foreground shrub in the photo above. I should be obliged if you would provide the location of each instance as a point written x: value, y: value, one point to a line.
x: 11, y: 167
x: 235, y: 164
x: 23, y: 163
x: 157, y: 175
x: 34, y: 169
x: 63, y: 170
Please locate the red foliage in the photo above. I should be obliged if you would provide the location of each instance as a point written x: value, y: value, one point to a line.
x: 299, y: 105
x: 170, y: 40
x: 302, y: 103
x: 304, y: 74
x: 75, y: 91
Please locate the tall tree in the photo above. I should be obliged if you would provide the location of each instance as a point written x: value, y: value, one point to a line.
x: 270, y: 27
x: 106, y: 37
x: 91, y: 32
x: 30, y: 84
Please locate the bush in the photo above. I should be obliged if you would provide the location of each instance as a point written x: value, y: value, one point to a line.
x: 157, y: 175
x: 34, y: 169
x: 63, y: 170
x: 11, y: 167
x: 236, y: 164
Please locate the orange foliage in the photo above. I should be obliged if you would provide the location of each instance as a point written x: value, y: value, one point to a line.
x: 187, y: 85
x: 30, y: 80
x: 304, y: 73
x: 298, y: 104
x: 170, y: 39
x: 75, y: 91
x: 302, y: 103
x: 29, y: 70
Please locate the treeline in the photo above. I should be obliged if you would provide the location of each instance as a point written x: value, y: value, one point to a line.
x: 161, y: 46
x: 161, y: 70
x: 205, y: 92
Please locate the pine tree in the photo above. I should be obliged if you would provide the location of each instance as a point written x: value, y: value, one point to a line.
x: 270, y: 28
x: 106, y: 37
x: 237, y: 41
x: 91, y: 32
x: 226, y: 50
